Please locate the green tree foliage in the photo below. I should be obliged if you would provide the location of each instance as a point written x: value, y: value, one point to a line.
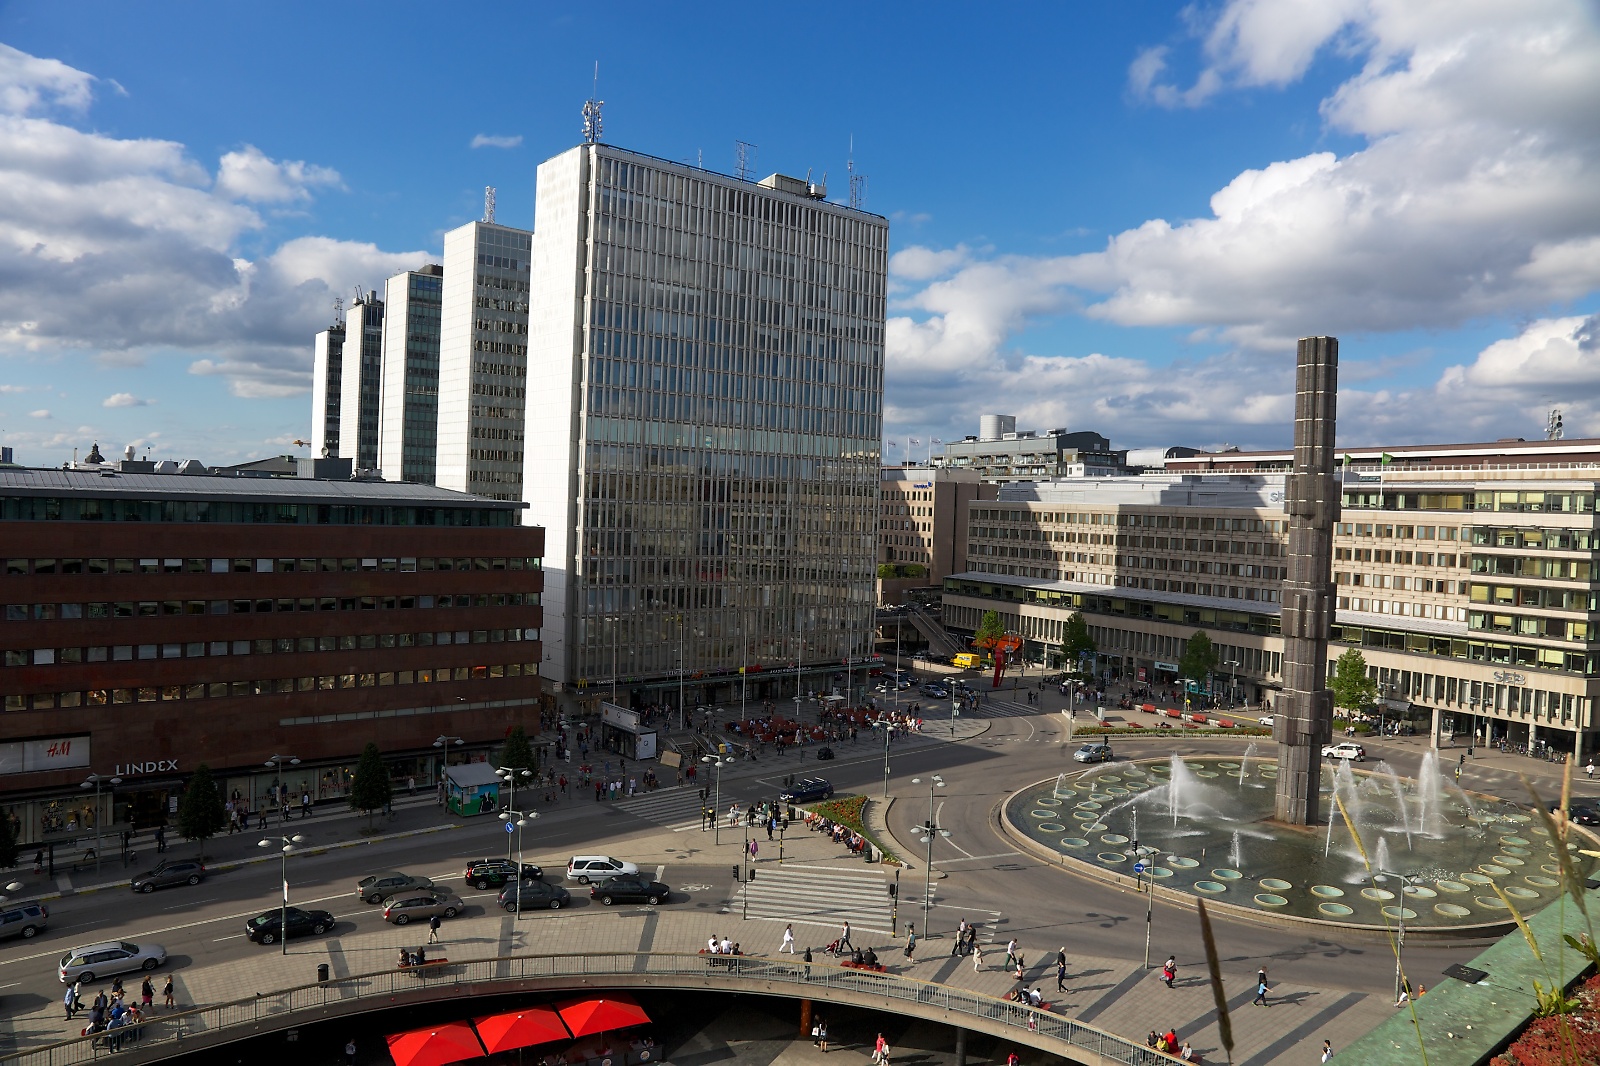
x: 991, y: 628
x: 1076, y: 641
x: 1199, y: 657
x: 371, y: 788
x: 516, y: 753
x: 1352, y: 688
x: 888, y: 571
x: 8, y: 841
x: 913, y: 570
x: 200, y: 810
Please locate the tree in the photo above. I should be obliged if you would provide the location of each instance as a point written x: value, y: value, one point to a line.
x: 1352, y: 688
x: 1076, y: 643
x: 913, y: 570
x: 888, y: 571
x: 516, y: 753
x: 370, y: 789
x: 991, y: 628
x: 200, y: 811
x: 1199, y: 657
x: 8, y: 840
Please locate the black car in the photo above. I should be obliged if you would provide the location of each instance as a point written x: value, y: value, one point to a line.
x: 265, y: 928
x: 492, y: 873
x: 179, y: 872
x: 1581, y: 813
x: 808, y: 789
x: 629, y: 890
x: 824, y: 754
x: 533, y: 894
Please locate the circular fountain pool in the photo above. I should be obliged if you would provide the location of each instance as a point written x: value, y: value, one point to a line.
x: 1203, y: 825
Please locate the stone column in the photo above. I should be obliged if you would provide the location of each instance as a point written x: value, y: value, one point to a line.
x: 1304, y: 719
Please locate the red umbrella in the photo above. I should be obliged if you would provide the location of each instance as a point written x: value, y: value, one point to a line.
x: 588, y: 1016
x: 436, y: 1046
x: 520, y: 1028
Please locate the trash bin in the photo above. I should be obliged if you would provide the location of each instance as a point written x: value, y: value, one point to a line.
x: 322, y: 973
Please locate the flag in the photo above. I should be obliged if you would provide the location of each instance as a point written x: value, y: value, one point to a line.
x: 894, y: 444
x: 1346, y: 458
x: 915, y: 442
x: 936, y: 440
x: 1386, y: 459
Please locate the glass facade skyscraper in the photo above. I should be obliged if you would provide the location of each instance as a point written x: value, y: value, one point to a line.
x: 408, y: 421
x: 327, y: 366
x: 358, y: 382
x: 704, y: 421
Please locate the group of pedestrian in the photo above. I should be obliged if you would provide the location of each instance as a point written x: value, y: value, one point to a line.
x: 111, y: 1013
x: 1168, y: 1042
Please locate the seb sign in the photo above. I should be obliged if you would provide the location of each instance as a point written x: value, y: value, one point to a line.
x: 39, y: 756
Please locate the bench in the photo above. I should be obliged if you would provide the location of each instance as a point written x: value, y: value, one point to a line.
x: 421, y: 969
x: 851, y: 964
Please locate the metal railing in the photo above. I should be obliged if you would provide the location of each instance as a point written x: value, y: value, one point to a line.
x: 173, y: 1034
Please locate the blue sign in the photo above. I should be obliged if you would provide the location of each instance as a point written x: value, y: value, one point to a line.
x: 510, y: 828
x: 1138, y: 867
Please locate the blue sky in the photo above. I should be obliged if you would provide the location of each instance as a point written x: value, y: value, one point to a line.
x: 1112, y: 217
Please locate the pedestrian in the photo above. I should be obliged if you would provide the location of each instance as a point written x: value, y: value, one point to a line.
x: 350, y: 1052
x: 1019, y: 970
x: 1327, y: 1051
x: 1011, y: 952
x: 1169, y: 969
x: 977, y: 957
x: 411, y: 786
x: 1061, y: 974
x: 161, y: 836
x: 1590, y: 768
x: 911, y: 939
x: 147, y: 993
x: 1261, y: 989
x: 844, y: 943
x: 961, y: 938
x: 433, y: 929
x: 305, y: 805
x: 788, y: 939
x: 822, y: 1035
x: 70, y: 1001
x: 167, y: 992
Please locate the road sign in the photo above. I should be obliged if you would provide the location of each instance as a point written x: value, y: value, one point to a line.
x: 1138, y: 867
x: 510, y: 828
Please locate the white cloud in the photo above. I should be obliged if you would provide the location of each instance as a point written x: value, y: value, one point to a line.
x: 490, y: 140
x: 917, y: 263
x: 40, y: 413
x: 29, y: 83
x: 250, y: 175
x: 124, y: 399
x: 6, y: 390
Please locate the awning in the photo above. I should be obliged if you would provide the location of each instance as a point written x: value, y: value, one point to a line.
x: 436, y: 1046
x: 585, y: 1017
x: 521, y: 1028
x: 472, y: 774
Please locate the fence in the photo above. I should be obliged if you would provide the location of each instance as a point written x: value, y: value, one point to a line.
x: 204, y: 1027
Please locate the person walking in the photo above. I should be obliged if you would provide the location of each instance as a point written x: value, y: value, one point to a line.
x: 1061, y: 973
x: 350, y: 1052
x: 305, y: 805
x: 1011, y: 952
x: 147, y: 994
x: 911, y: 939
x: 70, y: 1000
x: 977, y: 957
x: 961, y: 938
x: 1590, y: 769
x: 433, y: 929
x: 166, y: 991
x: 788, y: 939
x: 822, y: 1035
x: 844, y: 943
x: 411, y: 786
x: 1327, y: 1051
x: 1169, y: 969
x: 1261, y: 990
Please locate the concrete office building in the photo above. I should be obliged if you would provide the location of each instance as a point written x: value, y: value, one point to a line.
x: 922, y: 521
x: 483, y: 360
x: 704, y: 424
x: 359, y: 382
x: 1467, y: 586
x: 408, y: 403
x: 327, y: 365
x: 1001, y: 454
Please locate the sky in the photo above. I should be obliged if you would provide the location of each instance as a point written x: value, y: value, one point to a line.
x: 1112, y: 217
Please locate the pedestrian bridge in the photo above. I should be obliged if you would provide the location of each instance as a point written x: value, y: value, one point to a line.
x: 215, y: 1026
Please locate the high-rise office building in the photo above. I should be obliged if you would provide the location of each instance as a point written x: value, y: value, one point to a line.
x: 483, y: 360
x: 327, y: 365
x: 359, y: 382
x: 704, y: 424
x: 408, y: 405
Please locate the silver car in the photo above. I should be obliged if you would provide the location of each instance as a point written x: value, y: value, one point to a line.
x: 113, y: 957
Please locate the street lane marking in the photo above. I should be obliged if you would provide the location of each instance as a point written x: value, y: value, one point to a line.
x: 661, y: 871
x: 976, y: 858
x: 191, y: 903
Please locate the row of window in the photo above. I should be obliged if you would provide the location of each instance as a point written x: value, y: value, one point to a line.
x: 1402, y: 607
x: 229, y: 689
x: 1384, y: 529
x: 1530, y: 626
x: 1395, y: 581
x: 1524, y: 502
x: 1398, y: 558
x: 1132, y: 519
x: 1533, y: 566
x: 401, y: 564
x: 258, y: 646
x: 22, y: 612
x: 122, y: 509
x: 1559, y: 599
x: 1548, y: 539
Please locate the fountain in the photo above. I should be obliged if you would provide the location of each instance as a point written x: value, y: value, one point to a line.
x: 1456, y: 845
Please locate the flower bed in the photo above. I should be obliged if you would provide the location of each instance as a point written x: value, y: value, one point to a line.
x: 850, y: 812
x: 1187, y: 729
x: 1561, y: 1038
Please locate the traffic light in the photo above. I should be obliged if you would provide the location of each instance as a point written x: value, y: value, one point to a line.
x: 894, y: 890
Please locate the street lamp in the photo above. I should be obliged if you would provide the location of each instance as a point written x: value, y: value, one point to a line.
x: 93, y: 781
x: 1379, y: 876
x: 286, y: 845
x: 1148, y: 888
x: 928, y: 831
x: 888, y: 729
x: 277, y: 762
x: 1233, y: 666
x: 522, y: 820
x: 510, y: 774
x: 716, y: 762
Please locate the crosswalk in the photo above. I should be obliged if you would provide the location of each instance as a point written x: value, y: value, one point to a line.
x: 675, y: 808
x: 822, y: 897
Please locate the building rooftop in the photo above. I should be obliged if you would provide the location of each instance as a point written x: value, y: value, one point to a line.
x: 1264, y: 491
x: 34, y: 481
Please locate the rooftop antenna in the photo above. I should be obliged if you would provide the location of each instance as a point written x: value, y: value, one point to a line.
x: 1553, y: 428
x: 744, y: 160
x: 488, y: 203
x: 361, y: 296
x: 592, y: 126
x: 858, y: 182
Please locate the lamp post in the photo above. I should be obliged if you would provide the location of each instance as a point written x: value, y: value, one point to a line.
x: 1379, y: 876
x: 522, y: 820
x: 1148, y: 888
x: 93, y: 781
x: 510, y: 774
x: 716, y: 762
x: 887, y: 727
x: 928, y: 831
x: 277, y: 762
x: 1233, y: 678
x: 286, y: 845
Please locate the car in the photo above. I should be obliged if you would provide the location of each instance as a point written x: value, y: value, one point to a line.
x: 1267, y: 720
x: 528, y: 895
x: 112, y: 957
x: 586, y: 868
x: 25, y: 919
x: 1094, y: 751
x: 171, y: 872
x: 630, y: 890
x: 420, y: 906
x: 824, y: 754
x: 379, y: 887
x: 807, y: 789
x: 1581, y: 813
x: 492, y: 873
x: 264, y: 928
x: 936, y: 692
x: 1344, y: 750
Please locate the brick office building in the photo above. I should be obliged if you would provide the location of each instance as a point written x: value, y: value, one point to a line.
x: 157, y: 620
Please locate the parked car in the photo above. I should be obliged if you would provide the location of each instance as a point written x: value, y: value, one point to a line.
x: 530, y: 895
x: 166, y: 874
x: 1344, y: 750
x: 630, y: 890
x: 112, y: 957
x: 1094, y: 751
x: 379, y: 887
x: 25, y: 919
x: 492, y: 873
x: 586, y: 868
x: 808, y: 789
x: 420, y: 906
x: 264, y: 928
x: 935, y: 692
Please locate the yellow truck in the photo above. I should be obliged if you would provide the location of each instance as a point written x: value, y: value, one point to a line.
x: 967, y: 660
